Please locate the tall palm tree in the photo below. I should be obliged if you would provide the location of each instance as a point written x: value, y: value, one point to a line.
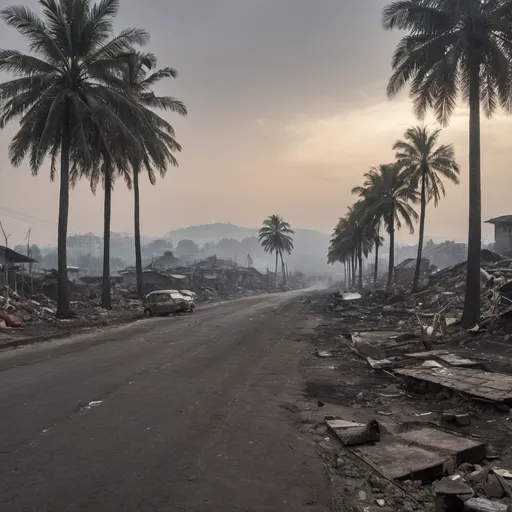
x: 340, y: 246
x: 159, y: 144
x: 387, y: 194
x: 353, y: 238
x: 276, y: 236
x: 109, y: 158
x: 377, y: 244
x: 427, y: 163
x: 362, y: 236
x: 67, y: 77
x: 454, y: 47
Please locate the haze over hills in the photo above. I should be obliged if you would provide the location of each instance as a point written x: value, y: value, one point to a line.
x: 309, y: 255
x: 214, y: 232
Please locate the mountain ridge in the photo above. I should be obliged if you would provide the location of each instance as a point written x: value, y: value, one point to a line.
x: 205, y: 233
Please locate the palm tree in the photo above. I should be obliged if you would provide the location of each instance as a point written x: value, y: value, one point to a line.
x: 67, y: 78
x: 377, y: 244
x: 362, y: 236
x: 276, y: 236
x: 454, y: 47
x: 386, y: 193
x: 109, y: 157
x: 340, y: 246
x: 427, y: 164
x: 353, y: 238
x: 157, y: 135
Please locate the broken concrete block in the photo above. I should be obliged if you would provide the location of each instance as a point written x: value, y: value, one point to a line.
x: 463, y: 420
x: 448, y: 417
x: 478, y: 476
x: 503, y: 408
x: 483, y: 505
x: 454, y: 485
x: 493, y: 487
x: 381, y: 503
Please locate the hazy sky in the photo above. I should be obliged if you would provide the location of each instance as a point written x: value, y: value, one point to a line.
x: 287, y: 110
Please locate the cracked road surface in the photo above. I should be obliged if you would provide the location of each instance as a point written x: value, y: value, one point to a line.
x: 166, y: 414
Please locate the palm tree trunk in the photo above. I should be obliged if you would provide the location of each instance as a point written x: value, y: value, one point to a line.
x: 283, y: 269
x: 376, y: 269
x: 422, y: 232
x: 63, y: 306
x: 354, y: 266
x: 360, y: 256
x: 391, y: 252
x: 277, y: 259
x: 471, y: 313
x: 106, y: 297
x: 138, y: 250
x: 345, y: 270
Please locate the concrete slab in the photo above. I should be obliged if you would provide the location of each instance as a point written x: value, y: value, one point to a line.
x: 426, y: 355
x: 454, y: 360
x: 422, y: 453
x: 478, y: 383
x: 399, y: 461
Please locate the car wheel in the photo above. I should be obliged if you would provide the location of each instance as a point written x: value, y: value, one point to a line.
x: 147, y: 313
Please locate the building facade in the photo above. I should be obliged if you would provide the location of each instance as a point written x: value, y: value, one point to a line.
x: 502, y: 234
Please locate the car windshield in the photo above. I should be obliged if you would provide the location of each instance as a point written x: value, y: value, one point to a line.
x: 177, y: 296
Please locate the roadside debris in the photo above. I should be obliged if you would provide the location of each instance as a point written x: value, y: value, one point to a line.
x: 351, y: 433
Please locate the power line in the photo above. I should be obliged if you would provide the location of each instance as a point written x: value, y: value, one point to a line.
x: 13, y: 214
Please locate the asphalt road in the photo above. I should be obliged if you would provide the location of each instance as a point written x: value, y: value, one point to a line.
x: 167, y: 414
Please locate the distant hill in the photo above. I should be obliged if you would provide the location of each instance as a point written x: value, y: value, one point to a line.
x: 210, y: 233
x: 309, y: 255
x: 215, y: 232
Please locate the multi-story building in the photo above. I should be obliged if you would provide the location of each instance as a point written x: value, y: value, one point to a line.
x: 85, y: 244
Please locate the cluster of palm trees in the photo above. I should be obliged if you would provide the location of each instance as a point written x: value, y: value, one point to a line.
x: 275, y: 236
x: 456, y: 49
x: 83, y: 97
x: 387, y: 199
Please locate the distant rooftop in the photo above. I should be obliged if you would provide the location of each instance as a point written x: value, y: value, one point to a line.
x: 504, y: 219
x: 14, y: 257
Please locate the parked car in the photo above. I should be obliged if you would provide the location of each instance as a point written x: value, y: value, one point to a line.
x: 190, y: 298
x: 164, y: 302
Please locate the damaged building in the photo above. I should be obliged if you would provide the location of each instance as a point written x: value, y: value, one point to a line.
x: 502, y: 233
x: 404, y: 271
x: 11, y: 265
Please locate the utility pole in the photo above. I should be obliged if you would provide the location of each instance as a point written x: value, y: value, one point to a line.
x: 27, y: 237
x: 6, y: 271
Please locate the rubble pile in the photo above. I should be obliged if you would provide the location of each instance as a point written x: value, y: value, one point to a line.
x: 41, y: 309
x: 37, y: 309
x: 444, y: 393
x: 436, y: 309
x: 444, y: 294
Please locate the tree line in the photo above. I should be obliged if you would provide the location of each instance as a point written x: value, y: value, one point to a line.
x: 84, y: 98
x: 451, y: 49
x: 387, y: 198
